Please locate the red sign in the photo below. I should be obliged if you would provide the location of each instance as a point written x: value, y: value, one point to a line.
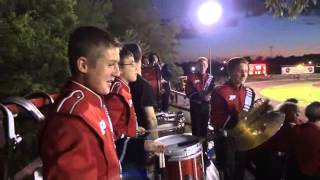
x: 257, y: 69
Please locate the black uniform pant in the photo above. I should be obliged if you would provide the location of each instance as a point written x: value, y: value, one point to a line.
x: 230, y: 163
x: 165, y: 97
x: 199, y: 124
x: 199, y: 118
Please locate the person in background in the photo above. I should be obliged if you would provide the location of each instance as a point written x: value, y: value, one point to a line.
x: 131, y: 150
x: 303, y: 146
x: 166, y: 74
x: 144, y: 100
x: 144, y: 60
x: 198, y: 89
x: 299, y: 142
x: 292, y: 111
x: 76, y: 141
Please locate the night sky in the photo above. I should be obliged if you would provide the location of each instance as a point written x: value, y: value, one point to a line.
x: 245, y: 29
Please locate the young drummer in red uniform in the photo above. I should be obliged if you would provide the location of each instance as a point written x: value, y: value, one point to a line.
x: 77, y: 140
x: 226, y: 103
x: 131, y: 150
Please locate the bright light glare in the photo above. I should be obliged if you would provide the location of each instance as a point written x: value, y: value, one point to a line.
x: 300, y: 66
x: 209, y: 12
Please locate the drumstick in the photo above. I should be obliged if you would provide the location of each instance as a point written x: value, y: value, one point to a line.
x: 162, y: 160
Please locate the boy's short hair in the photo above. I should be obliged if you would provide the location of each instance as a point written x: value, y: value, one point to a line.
x: 204, y: 59
x: 312, y: 111
x: 234, y: 62
x: 124, y: 53
x: 88, y: 41
x: 135, y: 50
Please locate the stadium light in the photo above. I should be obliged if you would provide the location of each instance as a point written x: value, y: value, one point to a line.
x: 310, y: 62
x: 300, y: 66
x: 193, y: 69
x: 209, y: 12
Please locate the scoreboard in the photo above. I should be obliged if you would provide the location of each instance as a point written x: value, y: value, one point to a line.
x: 257, y: 69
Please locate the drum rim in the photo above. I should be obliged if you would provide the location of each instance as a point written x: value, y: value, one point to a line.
x: 186, y: 153
x: 192, y: 156
x: 165, y: 137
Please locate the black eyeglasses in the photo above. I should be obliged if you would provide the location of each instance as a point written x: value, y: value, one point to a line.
x: 128, y: 64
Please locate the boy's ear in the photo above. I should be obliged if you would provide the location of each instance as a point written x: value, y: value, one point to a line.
x: 82, y: 64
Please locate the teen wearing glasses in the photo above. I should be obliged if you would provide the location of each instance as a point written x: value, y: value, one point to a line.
x: 131, y: 151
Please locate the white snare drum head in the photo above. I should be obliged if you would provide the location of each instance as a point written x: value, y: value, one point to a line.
x: 181, y: 147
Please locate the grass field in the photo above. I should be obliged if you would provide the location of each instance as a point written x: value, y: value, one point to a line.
x: 305, y: 92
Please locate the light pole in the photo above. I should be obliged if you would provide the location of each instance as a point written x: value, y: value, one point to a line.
x: 210, y: 59
x: 209, y: 13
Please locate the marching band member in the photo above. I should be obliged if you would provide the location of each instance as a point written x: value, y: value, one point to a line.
x: 166, y: 74
x: 226, y: 103
x: 300, y: 142
x: 131, y: 150
x: 144, y: 100
x: 76, y: 141
x: 198, y: 89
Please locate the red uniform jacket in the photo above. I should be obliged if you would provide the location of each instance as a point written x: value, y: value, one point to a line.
x: 302, y: 142
x: 195, y: 84
x: 226, y: 103
x: 307, y: 148
x: 120, y: 106
x: 77, y: 140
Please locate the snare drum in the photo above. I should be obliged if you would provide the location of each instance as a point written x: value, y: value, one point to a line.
x: 184, y: 159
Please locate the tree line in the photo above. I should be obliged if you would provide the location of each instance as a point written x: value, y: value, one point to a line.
x: 34, y: 36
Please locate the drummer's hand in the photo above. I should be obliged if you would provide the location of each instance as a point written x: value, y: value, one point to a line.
x: 153, y: 146
x: 141, y: 130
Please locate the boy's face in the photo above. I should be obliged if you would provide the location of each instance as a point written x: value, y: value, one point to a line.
x: 202, y: 66
x: 239, y: 74
x: 128, y: 70
x: 98, y: 77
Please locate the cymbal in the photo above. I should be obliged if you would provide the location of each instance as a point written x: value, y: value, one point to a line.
x: 256, y: 128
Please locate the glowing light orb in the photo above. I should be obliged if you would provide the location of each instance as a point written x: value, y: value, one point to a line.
x: 209, y: 12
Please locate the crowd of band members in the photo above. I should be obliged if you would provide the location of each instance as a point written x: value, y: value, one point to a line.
x: 91, y: 130
x: 292, y: 153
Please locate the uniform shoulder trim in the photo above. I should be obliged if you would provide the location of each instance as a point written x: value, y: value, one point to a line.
x: 68, y: 104
x: 115, y: 88
x: 248, y: 88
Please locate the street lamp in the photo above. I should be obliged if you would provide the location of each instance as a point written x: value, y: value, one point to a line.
x: 209, y: 13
